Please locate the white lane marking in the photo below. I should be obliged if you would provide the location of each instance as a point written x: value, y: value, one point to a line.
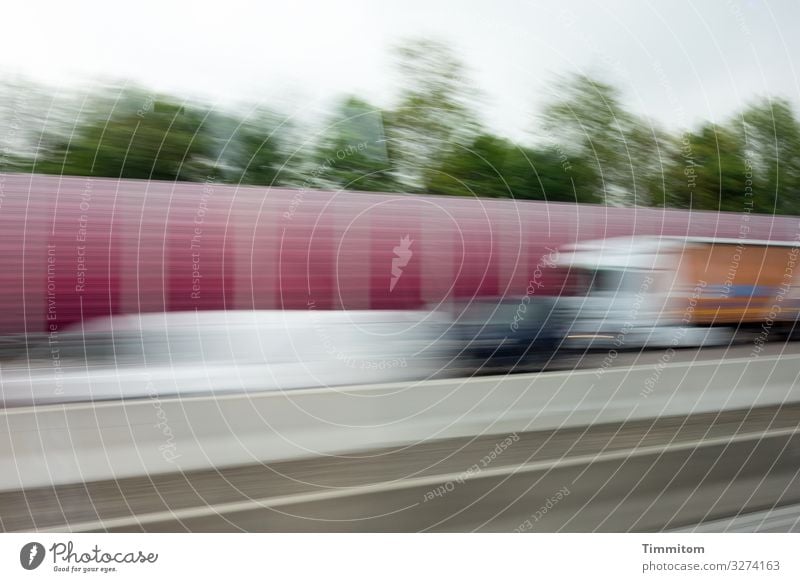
x: 396, y: 386
x: 788, y: 515
x: 417, y: 482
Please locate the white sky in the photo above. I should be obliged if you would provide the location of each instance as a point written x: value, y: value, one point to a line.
x: 676, y: 61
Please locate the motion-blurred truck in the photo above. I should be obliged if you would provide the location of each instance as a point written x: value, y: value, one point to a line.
x: 681, y: 291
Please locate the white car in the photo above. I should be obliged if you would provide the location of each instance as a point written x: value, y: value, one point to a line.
x: 162, y: 354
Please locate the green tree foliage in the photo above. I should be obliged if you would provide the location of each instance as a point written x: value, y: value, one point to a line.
x: 252, y: 150
x: 772, y: 147
x: 497, y: 168
x: 434, y: 113
x: 588, y: 121
x: 25, y: 111
x: 134, y: 136
x: 552, y: 176
x: 475, y: 170
x: 707, y: 171
x: 352, y: 153
x: 652, y: 148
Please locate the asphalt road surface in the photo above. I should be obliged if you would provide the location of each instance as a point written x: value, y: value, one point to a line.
x: 672, y: 473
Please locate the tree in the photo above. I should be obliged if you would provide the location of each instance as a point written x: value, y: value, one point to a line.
x: 546, y: 174
x: 652, y: 149
x: 772, y: 147
x: 434, y: 113
x: 476, y: 170
x: 588, y: 122
x: 352, y: 152
x: 29, y: 113
x: 133, y: 137
x: 252, y: 150
x: 708, y: 171
x: 495, y: 167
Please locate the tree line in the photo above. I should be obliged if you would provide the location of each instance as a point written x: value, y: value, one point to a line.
x: 585, y: 146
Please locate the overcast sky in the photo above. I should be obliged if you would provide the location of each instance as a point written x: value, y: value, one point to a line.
x: 676, y: 61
